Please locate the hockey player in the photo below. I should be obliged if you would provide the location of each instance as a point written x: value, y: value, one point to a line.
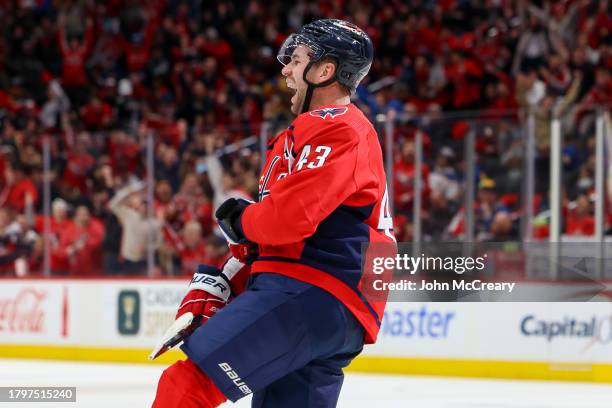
x: 303, y: 316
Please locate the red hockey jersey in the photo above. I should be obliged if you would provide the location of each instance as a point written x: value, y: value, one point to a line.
x: 322, y: 195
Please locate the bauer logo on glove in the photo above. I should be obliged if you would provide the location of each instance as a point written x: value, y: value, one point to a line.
x: 208, y: 291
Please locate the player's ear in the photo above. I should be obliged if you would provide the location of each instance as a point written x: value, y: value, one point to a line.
x: 327, y: 70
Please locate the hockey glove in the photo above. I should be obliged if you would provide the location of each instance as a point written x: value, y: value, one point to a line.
x: 228, y: 215
x: 208, y: 292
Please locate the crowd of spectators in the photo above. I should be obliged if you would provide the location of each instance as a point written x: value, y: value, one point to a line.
x: 95, y: 81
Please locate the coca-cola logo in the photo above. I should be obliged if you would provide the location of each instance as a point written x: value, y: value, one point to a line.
x: 23, y: 313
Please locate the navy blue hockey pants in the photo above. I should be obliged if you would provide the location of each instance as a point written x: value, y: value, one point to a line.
x: 284, y: 340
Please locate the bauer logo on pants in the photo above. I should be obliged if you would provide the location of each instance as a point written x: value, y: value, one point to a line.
x: 128, y: 312
x: 235, y: 378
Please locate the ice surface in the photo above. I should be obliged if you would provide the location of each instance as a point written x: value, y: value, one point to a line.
x: 129, y: 385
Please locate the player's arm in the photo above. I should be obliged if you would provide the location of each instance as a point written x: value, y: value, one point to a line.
x: 117, y: 202
x: 321, y: 179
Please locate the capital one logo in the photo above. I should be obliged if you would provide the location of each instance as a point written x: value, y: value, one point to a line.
x: 597, y: 329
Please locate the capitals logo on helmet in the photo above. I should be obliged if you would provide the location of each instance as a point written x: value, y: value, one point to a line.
x: 331, y: 112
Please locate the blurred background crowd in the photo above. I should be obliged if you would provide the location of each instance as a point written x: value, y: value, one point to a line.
x: 96, y: 80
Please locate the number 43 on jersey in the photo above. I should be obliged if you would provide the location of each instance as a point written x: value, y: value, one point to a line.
x: 320, y: 155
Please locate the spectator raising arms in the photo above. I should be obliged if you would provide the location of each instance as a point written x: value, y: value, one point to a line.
x: 74, y: 55
x: 138, y: 231
x: 224, y: 183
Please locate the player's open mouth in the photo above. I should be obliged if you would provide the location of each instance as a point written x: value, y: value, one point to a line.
x: 291, y: 85
x: 294, y: 89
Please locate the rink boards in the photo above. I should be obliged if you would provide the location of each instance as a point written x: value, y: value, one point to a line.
x: 121, y: 320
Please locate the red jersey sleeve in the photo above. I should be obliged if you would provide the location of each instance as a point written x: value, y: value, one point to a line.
x: 321, y: 177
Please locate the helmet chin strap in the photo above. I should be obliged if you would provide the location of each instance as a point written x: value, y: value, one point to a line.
x: 311, y: 87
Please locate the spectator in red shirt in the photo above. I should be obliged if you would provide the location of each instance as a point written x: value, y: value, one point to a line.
x: 19, y: 191
x: 8, y: 103
x: 580, y: 220
x: 163, y: 197
x: 193, y: 250
x: 74, y: 55
x: 211, y: 45
x: 81, y: 244
x: 465, y: 75
x: 58, y: 222
x: 403, y: 182
x: 137, y: 49
x: 192, y: 203
x: 96, y: 115
x: 124, y: 153
x: 79, y: 164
